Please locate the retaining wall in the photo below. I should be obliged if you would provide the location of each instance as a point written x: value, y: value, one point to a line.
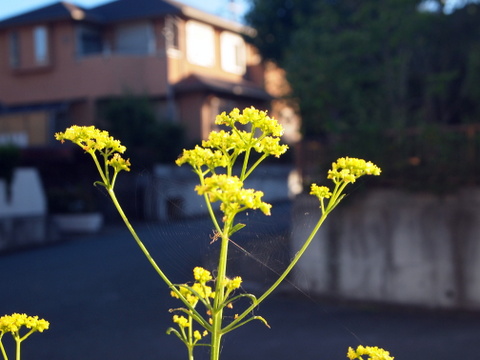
x: 395, y: 247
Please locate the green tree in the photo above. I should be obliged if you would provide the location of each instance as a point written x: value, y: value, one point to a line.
x: 378, y: 75
x: 149, y: 140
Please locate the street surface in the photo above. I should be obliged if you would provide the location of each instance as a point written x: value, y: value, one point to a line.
x: 105, y: 302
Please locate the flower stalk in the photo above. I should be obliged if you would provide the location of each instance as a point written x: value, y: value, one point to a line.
x: 15, y: 325
x: 253, y: 136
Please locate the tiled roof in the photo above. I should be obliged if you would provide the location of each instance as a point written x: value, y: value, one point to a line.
x: 122, y: 10
x: 195, y: 83
x: 117, y: 11
x: 55, y: 12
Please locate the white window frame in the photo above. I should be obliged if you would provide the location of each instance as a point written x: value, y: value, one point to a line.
x: 40, y: 44
x: 200, y: 39
x: 233, y: 53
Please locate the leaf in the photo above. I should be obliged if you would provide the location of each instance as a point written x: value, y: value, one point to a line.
x: 236, y: 228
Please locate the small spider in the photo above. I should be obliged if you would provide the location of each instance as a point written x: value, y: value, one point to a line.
x: 215, y: 236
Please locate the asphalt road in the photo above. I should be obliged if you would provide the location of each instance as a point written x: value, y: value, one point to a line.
x: 105, y: 302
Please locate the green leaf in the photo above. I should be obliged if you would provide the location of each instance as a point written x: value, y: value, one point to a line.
x: 236, y: 228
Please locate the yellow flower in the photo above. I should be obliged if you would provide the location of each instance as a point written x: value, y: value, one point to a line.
x: 229, y: 190
x: 201, y: 275
x: 232, y: 284
x: 91, y: 139
x: 270, y: 146
x: 13, y: 323
x: 186, y: 293
x: 118, y: 163
x: 373, y: 353
x: 202, y: 290
x: 200, y: 156
x: 181, y: 321
x: 196, y: 335
x: 223, y: 147
x: 258, y: 119
x: 349, y: 169
x: 322, y: 192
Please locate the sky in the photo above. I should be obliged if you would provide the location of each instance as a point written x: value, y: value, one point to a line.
x: 10, y: 8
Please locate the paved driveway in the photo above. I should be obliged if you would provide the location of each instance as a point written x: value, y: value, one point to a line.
x: 104, y: 302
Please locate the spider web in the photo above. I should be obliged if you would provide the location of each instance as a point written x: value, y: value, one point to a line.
x: 258, y: 253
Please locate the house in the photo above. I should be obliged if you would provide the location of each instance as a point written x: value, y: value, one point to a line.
x: 60, y: 62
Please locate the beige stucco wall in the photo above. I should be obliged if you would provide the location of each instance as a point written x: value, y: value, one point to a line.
x: 68, y: 77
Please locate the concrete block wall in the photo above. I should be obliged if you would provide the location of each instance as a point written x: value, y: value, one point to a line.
x: 395, y: 247
x: 171, y: 191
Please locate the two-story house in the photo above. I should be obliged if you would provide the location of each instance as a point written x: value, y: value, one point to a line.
x: 58, y: 63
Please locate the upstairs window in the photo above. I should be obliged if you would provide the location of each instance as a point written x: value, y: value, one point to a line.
x: 171, y: 32
x: 40, y: 45
x: 135, y: 39
x: 89, y: 40
x: 14, y: 49
x: 200, y: 44
x: 233, y: 53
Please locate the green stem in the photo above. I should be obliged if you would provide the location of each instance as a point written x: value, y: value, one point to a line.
x: 150, y: 259
x: 201, y: 177
x: 18, y: 346
x: 100, y: 170
x: 190, y: 345
x: 245, y: 163
x: 217, y: 314
x: 137, y: 239
x: 282, y: 277
x: 2, y: 348
x: 254, y: 166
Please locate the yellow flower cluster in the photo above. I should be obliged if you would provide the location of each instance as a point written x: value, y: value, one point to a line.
x: 13, y: 323
x: 229, y: 190
x: 347, y: 170
x: 223, y: 146
x: 373, y: 353
x: 233, y: 284
x: 226, y: 141
x: 92, y: 139
x: 258, y: 119
x: 270, y: 146
x: 200, y: 156
x: 322, y: 192
x: 182, y: 321
x: 197, y: 336
x: 199, y: 289
x: 250, y: 130
x: 192, y: 293
x: 201, y: 275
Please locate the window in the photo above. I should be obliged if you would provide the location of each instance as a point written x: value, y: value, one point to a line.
x: 40, y: 44
x: 200, y: 44
x: 171, y: 33
x: 137, y: 39
x: 233, y: 53
x: 14, y: 42
x: 89, y: 40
